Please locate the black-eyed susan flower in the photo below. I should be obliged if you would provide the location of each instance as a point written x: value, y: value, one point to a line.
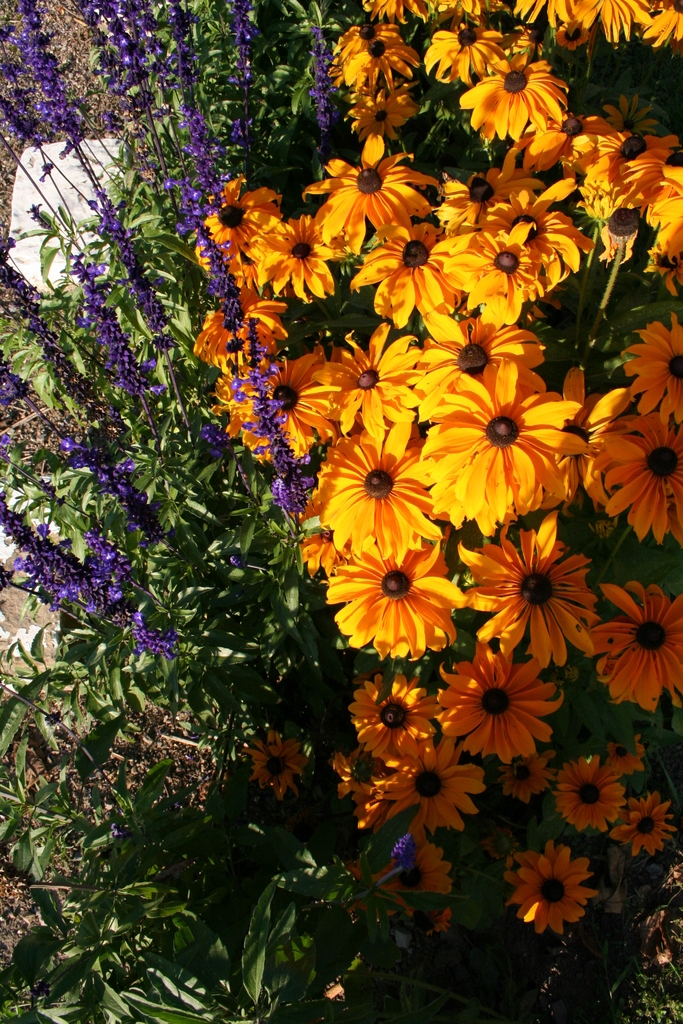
x: 395, y: 10
x: 460, y: 53
x: 669, y: 265
x: 514, y: 94
x: 526, y: 776
x: 496, y: 706
x: 216, y: 345
x: 319, y: 550
x: 412, y: 269
x: 295, y: 254
x: 494, y: 449
x: 399, y: 723
x: 616, y: 16
x: 457, y: 347
x: 642, y: 650
x: 622, y: 760
x: 243, y: 217
x: 372, y: 389
x: 381, y: 192
x: 570, y: 141
x: 366, y: 53
x: 501, y: 843
x: 645, y: 824
x: 658, y: 369
x: 358, y: 772
x: 629, y: 115
x: 497, y: 270
x: 403, y: 607
x: 533, y: 587
x: 380, y: 115
x: 437, y: 783
x: 667, y: 26
x: 596, y: 418
x: 276, y: 762
x: 548, y: 887
x: 588, y: 795
x: 647, y: 470
x: 571, y: 36
x: 430, y: 873
x: 373, y: 488
x: 466, y: 203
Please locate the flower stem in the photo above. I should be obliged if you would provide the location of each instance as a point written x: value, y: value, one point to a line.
x: 616, y: 263
x: 584, y: 283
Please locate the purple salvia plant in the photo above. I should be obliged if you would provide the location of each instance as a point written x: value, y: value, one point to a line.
x: 245, y: 32
x: 322, y: 91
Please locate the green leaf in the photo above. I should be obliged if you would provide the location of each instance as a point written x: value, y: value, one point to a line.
x: 254, y: 955
x: 176, y: 244
x: 32, y: 951
x: 641, y: 316
x: 424, y: 1013
x: 320, y: 883
x: 98, y: 743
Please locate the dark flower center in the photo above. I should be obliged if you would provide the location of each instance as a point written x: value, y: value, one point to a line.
x: 589, y: 793
x: 501, y: 432
x: 664, y: 261
x: 514, y: 81
x: 650, y: 635
x: 467, y: 36
x: 633, y: 146
x: 495, y: 702
x: 524, y: 218
x: 378, y: 484
x: 428, y: 784
x: 411, y: 878
x: 676, y: 366
x: 327, y: 535
x: 623, y: 223
x: 367, y: 380
x: 472, y: 358
x: 376, y: 48
x: 573, y: 35
x: 552, y: 890
x: 620, y: 751
x: 572, y: 126
x: 367, y: 32
x: 415, y: 253
x: 537, y: 588
x: 286, y: 396
x: 678, y: 6
x: 662, y: 461
x: 393, y: 716
x: 574, y: 428
x: 231, y: 216
x: 301, y: 250
x: 507, y: 262
x: 369, y: 181
x: 521, y: 772
x: 274, y: 765
x: 380, y: 115
x: 395, y: 585
x: 536, y: 35
x: 480, y: 191
x: 645, y: 826
x: 675, y: 160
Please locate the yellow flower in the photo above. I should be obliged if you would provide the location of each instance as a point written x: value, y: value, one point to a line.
x: 460, y: 53
x: 295, y: 254
x: 514, y: 94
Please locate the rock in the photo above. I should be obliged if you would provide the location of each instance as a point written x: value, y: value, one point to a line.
x: 68, y: 186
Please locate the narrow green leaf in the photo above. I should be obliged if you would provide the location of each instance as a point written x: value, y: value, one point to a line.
x: 254, y: 955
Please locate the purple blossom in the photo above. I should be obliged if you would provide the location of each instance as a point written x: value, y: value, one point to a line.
x: 323, y: 90
x: 153, y: 640
x: 41, y: 990
x: 12, y: 387
x: 120, y: 831
x: 131, y: 50
x: 216, y: 439
x: 404, y: 852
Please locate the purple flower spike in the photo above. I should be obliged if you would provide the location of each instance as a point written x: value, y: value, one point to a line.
x: 404, y: 852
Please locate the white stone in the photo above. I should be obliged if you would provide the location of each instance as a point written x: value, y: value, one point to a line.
x: 68, y: 178
x: 26, y: 636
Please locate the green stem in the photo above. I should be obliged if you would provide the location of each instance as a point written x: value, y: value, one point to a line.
x: 605, y: 299
x: 624, y: 535
x: 584, y: 283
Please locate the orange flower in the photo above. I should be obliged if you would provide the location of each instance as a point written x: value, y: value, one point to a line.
x: 643, y: 649
x: 593, y: 421
x: 460, y: 53
x: 366, y: 52
x: 295, y: 254
x: 616, y: 16
x: 533, y: 587
x: 501, y: 843
x: 466, y: 347
x: 397, y: 724
x: 412, y: 266
x: 645, y: 825
x: 572, y: 36
x: 622, y: 760
x: 647, y: 467
x: 319, y: 550
x: 658, y: 369
x: 430, y: 874
x: 376, y: 489
x: 527, y: 775
x: 395, y: 10
x: 214, y: 342
x: 358, y: 772
x: 571, y: 141
x: 588, y: 795
x: 466, y: 203
x: 669, y: 265
x: 548, y: 887
x: 496, y: 705
x: 403, y: 608
x: 242, y: 220
x: 498, y: 270
x: 494, y: 451
x: 436, y: 783
x: 276, y: 762
x: 666, y: 27
x: 382, y: 114
x: 514, y: 94
x: 372, y: 385
x: 381, y: 192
